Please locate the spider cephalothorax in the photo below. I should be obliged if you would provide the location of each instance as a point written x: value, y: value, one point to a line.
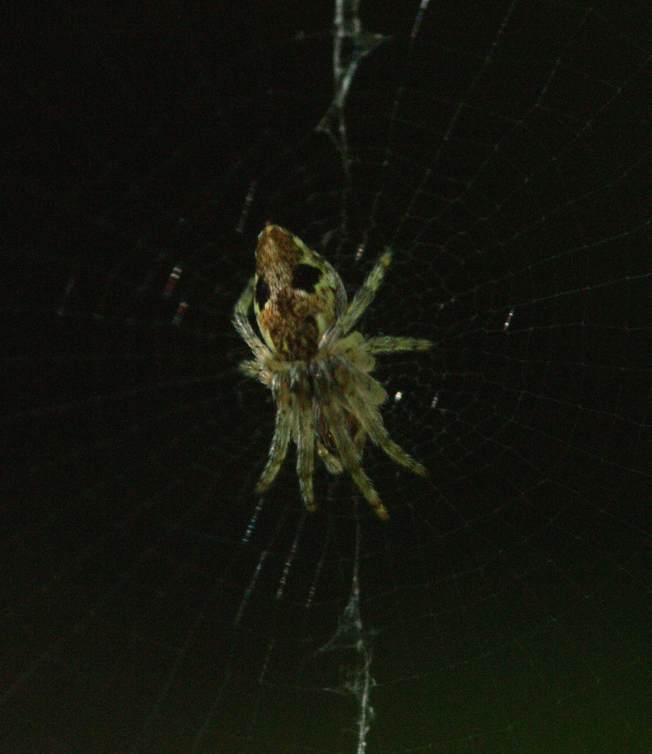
x: 317, y: 367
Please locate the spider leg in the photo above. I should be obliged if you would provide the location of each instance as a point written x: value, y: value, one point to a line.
x: 279, y: 445
x: 372, y: 422
x: 242, y: 324
x: 350, y: 459
x: 305, y: 439
x: 331, y: 462
x: 251, y: 368
x: 366, y: 292
x: 390, y: 344
x: 359, y: 440
x: 363, y: 297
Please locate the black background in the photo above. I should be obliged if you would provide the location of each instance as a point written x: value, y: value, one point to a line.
x: 506, y: 605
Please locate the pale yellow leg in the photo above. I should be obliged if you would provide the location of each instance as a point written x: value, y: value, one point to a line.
x: 391, y: 344
x: 331, y: 462
x: 305, y: 439
x: 372, y: 422
x: 278, y: 448
x: 350, y: 461
x: 366, y: 293
x: 242, y: 324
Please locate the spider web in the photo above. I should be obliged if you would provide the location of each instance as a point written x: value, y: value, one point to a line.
x: 152, y: 603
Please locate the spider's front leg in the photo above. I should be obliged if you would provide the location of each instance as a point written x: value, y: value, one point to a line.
x: 366, y: 293
x: 363, y: 297
x: 243, y: 326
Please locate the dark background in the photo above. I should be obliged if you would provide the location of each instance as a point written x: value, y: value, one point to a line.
x: 150, y: 603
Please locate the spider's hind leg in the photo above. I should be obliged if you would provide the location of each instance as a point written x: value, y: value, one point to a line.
x: 351, y: 461
x: 359, y: 440
x: 330, y: 461
x: 279, y: 446
x: 305, y: 440
x: 370, y: 418
x: 329, y: 456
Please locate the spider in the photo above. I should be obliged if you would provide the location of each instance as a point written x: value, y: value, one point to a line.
x: 317, y: 367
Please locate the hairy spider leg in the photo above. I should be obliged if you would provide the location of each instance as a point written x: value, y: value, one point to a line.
x: 305, y: 441
x: 280, y: 441
x: 254, y: 369
x: 331, y: 462
x: 359, y: 440
x: 349, y: 457
x: 363, y: 297
x: 371, y: 420
x: 365, y: 293
x: 390, y: 344
x: 242, y: 324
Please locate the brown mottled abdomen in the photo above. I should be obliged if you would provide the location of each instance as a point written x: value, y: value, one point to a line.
x: 291, y: 326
